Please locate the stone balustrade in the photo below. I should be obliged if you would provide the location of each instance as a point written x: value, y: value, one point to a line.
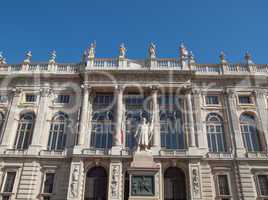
x: 127, y: 64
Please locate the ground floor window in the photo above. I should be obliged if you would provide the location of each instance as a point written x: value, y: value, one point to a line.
x: 263, y: 186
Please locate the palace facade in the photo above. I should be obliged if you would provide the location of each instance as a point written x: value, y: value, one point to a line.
x: 68, y: 130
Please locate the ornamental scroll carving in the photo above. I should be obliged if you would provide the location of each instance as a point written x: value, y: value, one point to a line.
x: 115, y: 181
x: 74, y: 183
x: 195, y: 182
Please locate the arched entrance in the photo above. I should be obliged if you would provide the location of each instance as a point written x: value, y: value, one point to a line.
x: 96, y: 184
x: 174, y: 184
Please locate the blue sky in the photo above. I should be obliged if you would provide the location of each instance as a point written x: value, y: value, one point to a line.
x: 205, y: 26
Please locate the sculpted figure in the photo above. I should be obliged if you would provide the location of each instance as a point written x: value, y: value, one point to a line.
x: 122, y: 51
x: 144, y: 135
x: 152, y: 50
x: 91, y: 52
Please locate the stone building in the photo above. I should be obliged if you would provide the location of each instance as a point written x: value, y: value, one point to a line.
x: 68, y: 130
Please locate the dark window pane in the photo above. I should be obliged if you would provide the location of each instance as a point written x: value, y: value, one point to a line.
x: 30, y: 98
x: 223, y: 185
x: 263, y: 184
x: 244, y: 99
x: 48, y: 184
x: 9, y: 183
x: 212, y: 100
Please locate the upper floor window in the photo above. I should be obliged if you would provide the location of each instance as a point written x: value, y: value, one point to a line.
x: 262, y: 183
x: 134, y: 112
x: 25, y: 131
x: 223, y: 187
x: 48, y: 185
x: 215, y: 133
x: 3, y: 98
x: 171, y: 130
x: 8, y: 185
x: 64, y: 99
x: 102, y: 130
x: 57, y: 133
x: 103, y: 99
x: 212, y: 100
x: 245, y: 99
x: 250, y: 133
x: 30, y: 98
x: 2, y: 121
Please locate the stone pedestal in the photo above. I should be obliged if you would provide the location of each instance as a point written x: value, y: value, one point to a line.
x: 144, y: 177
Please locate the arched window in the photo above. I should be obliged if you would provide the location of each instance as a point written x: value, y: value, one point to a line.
x: 2, y: 121
x: 250, y: 133
x: 215, y: 133
x: 102, y: 130
x: 25, y: 131
x: 57, y: 133
x: 171, y: 130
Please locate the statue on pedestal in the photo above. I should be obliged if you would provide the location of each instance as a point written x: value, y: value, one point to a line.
x: 91, y: 51
x: 122, y: 51
x: 152, y: 51
x: 144, y: 135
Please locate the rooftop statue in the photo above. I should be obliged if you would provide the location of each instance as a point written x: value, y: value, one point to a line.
x: 91, y: 52
x: 28, y: 57
x: 183, y: 51
x: 144, y: 135
x: 53, y: 57
x: 122, y: 51
x: 152, y: 50
x: 2, y: 59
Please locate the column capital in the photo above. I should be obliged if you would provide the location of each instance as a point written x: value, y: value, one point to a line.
x: 259, y: 93
x: 119, y: 88
x: 154, y: 87
x: 230, y: 92
x: 196, y: 91
x: 45, y: 92
x: 17, y: 91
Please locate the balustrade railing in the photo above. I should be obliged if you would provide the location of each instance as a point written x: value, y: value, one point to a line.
x: 114, y: 63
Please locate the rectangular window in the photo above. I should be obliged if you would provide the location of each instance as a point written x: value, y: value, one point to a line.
x: 223, y: 185
x: 8, y: 185
x: 212, y: 100
x: 63, y: 98
x: 29, y: 98
x: 245, y: 99
x: 263, y: 185
x: 3, y: 98
x: 48, y: 183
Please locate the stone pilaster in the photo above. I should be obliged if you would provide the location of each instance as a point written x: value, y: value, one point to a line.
x: 115, y: 190
x: 262, y: 115
x: 40, y: 121
x: 190, y: 119
x: 201, y: 136
x: 76, y: 180
x: 156, y: 119
x: 9, y: 132
x: 195, y: 183
x: 236, y: 136
x: 84, y: 117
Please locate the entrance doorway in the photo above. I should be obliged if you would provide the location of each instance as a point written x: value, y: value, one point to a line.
x: 174, y: 184
x: 96, y: 184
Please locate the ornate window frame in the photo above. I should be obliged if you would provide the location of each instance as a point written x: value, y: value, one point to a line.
x: 225, y: 172
x: 45, y: 170
x: 256, y: 172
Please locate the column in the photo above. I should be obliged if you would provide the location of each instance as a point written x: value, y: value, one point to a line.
x: 262, y: 115
x: 190, y: 118
x: 233, y: 121
x: 12, y: 117
x: 40, y: 121
x: 156, y: 119
x: 83, y: 123
x: 118, y: 137
x: 199, y: 120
